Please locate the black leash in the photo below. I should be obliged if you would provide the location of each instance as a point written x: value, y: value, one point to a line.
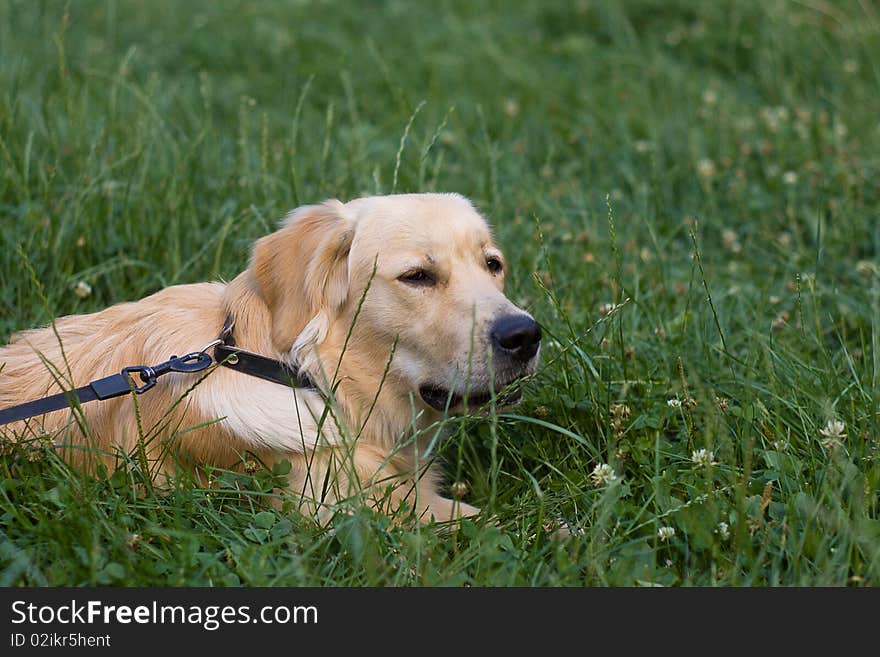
x: 123, y: 383
x: 108, y: 387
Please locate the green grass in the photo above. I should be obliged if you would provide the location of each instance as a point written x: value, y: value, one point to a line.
x: 710, y: 167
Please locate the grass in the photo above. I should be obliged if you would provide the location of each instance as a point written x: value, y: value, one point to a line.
x: 687, y: 194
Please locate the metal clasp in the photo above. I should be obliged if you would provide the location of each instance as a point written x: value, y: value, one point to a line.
x: 148, y: 376
x: 193, y: 362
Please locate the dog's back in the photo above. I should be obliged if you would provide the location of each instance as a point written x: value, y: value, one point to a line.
x: 78, y: 349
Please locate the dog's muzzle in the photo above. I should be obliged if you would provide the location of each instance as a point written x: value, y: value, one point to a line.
x: 515, y: 340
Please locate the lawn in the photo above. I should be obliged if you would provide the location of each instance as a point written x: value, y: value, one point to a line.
x: 687, y: 193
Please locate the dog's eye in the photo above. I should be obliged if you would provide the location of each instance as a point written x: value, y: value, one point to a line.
x: 494, y: 265
x: 417, y: 277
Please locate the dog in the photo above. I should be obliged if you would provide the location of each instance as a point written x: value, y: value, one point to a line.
x: 392, y: 307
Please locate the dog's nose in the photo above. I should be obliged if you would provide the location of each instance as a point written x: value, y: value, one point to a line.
x: 516, y: 335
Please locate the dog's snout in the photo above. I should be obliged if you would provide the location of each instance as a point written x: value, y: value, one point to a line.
x: 517, y: 335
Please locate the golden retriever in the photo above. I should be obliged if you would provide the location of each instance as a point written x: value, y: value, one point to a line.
x: 393, y: 306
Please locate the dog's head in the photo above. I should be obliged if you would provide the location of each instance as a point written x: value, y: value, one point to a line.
x: 418, y: 271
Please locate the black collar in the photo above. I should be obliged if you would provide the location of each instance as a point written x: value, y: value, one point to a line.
x: 246, y: 362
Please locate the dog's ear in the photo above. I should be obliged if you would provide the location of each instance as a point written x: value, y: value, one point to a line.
x: 302, y: 269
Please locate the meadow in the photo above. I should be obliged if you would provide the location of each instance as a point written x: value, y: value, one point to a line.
x: 687, y: 194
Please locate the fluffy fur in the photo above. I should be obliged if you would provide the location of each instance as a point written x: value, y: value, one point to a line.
x: 302, y: 300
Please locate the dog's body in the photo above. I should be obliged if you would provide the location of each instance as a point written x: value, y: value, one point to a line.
x: 394, y: 303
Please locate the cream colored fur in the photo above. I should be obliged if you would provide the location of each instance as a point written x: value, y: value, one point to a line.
x: 297, y: 302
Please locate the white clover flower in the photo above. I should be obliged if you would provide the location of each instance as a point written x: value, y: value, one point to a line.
x: 834, y: 429
x: 82, y: 289
x: 790, y: 178
x: 834, y: 433
x: 730, y: 241
x: 723, y: 530
x: 603, y: 474
x: 770, y: 118
x: 706, y: 168
x: 703, y: 458
x: 666, y: 532
x: 675, y: 402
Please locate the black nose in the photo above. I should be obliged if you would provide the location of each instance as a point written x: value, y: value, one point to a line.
x: 516, y: 335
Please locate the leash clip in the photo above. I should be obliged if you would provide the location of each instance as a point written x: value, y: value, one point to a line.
x: 192, y: 362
